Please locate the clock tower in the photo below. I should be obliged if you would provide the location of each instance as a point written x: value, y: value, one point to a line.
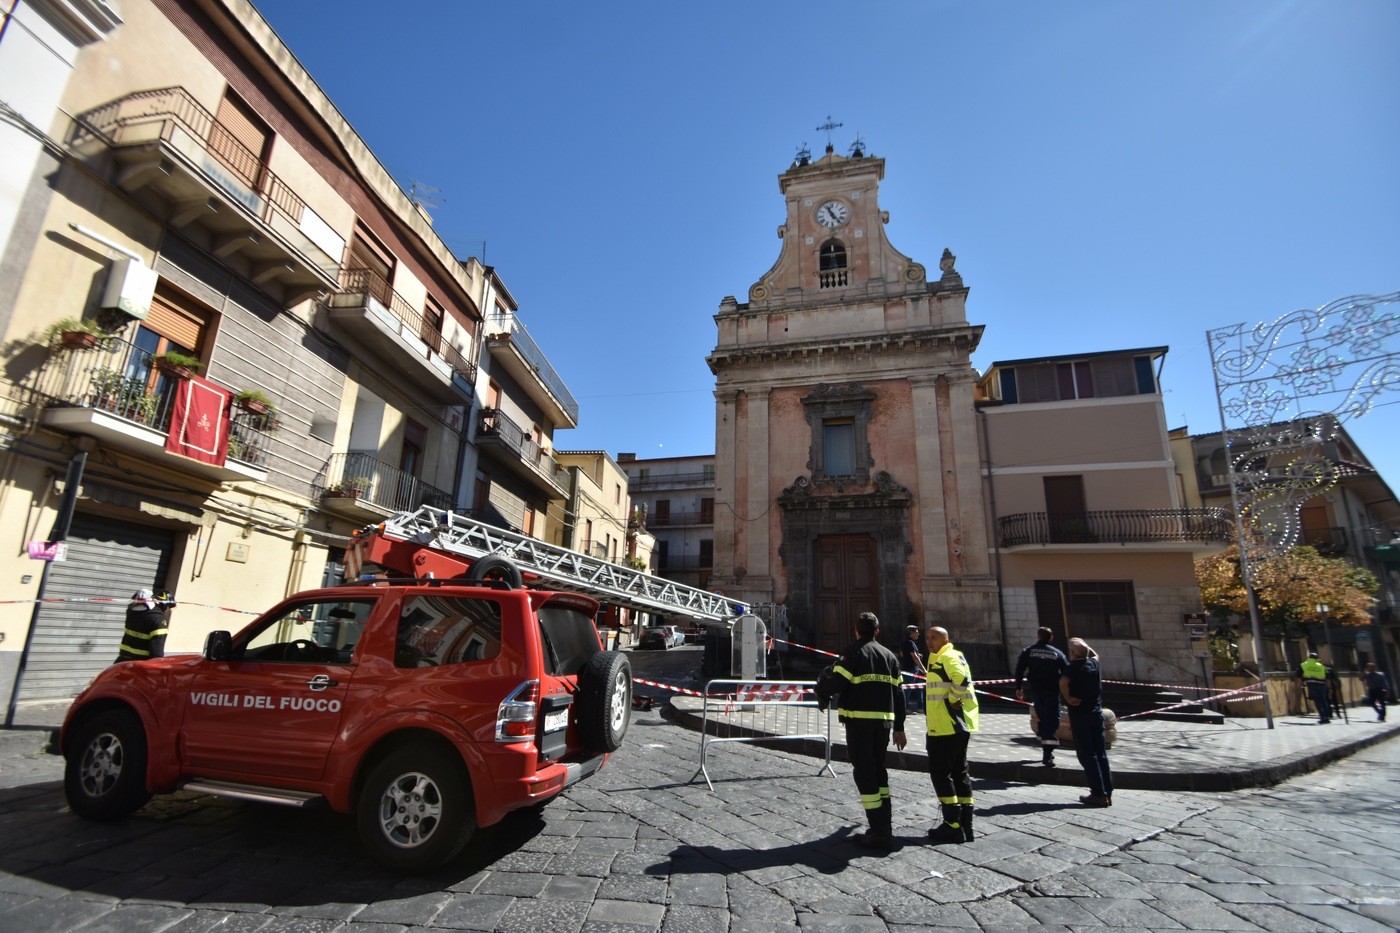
x: 847, y: 472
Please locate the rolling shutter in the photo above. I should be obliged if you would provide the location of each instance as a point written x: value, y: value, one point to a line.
x: 175, y: 317
x: 73, y: 641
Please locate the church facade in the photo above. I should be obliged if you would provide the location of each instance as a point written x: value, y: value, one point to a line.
x: 847, y: 471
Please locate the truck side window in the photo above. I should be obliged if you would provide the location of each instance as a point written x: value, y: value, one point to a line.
x: 437, y: 630
x: 312, y: 632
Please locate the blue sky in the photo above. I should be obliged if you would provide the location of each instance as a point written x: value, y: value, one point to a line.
x: 1110, y: 175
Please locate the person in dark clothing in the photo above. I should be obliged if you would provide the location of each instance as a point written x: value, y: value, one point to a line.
x: 911, y: 661
x: 1081, y: 688
x: 1377, y: 690
x: 1041, y: 665
x: 871, y: 702
x: 144, y: 636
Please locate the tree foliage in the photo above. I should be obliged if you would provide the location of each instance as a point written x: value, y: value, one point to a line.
x: 1289, y: 587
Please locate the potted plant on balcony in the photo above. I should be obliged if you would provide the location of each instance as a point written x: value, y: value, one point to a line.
x: 73, y: 333
x: 350, y: 487
x: 180, y: 365
x: 255, y: 401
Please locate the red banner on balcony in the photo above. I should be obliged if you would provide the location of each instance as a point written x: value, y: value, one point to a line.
x: 199, y: 420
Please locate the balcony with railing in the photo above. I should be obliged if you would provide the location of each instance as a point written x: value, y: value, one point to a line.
x: 367, y: 306
x: 363, y: 486
x: 115, y: 391
x: 512, y: 346
x: 1145, y: 529
x: 165, y: 142
x: 1329, y: 542
x: 513, y: 447
x: 670, y: 480
x: 680, y: 519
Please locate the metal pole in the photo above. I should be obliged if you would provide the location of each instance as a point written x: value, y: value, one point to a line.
x: 61, y: 524
x: 1246, y: 574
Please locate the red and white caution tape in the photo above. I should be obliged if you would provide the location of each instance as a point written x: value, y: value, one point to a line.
x: 653, y: 683
x: 115, y: 599
x: 1252, y: 689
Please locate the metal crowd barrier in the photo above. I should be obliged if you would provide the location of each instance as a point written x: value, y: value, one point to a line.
x: 764, y: 712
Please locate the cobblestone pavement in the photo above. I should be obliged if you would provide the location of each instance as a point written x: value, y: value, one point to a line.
x: 642, y: 847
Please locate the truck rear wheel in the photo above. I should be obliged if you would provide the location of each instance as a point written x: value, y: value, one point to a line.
x: 104, y: 776
x: 416, y: 810
x: 605, y: 701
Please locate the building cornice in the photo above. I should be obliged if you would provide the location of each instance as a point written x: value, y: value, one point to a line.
x: 964, y: 339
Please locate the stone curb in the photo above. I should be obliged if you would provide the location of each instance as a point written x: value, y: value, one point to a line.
x: 1263, y: 774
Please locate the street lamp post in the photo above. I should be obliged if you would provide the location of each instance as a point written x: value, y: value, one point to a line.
x: 1322, y: 609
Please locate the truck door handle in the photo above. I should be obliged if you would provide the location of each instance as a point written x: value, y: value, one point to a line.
x: 321, y: 682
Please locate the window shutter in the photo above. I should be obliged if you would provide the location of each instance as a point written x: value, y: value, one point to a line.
x: 176, y: 318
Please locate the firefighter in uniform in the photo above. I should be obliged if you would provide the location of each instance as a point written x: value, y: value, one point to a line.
x: 1044, y: 663
x: 952, y: 718
x: 144, y: 636
x: 871, y: 702
x: 1314, y: 674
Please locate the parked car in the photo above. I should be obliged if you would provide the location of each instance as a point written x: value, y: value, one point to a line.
x: 425, y: 710
x: 662, y: 637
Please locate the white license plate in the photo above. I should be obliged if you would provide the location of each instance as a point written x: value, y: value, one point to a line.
x: 555, y: 721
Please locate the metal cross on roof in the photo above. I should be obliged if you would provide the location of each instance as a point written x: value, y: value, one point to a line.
x: 828, y: 126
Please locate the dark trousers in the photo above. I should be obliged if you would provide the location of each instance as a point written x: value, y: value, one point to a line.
x: 866, y: 741
x: 1317, y: 692
x: 913, y: 696
x: 1047, y: 714
x: 1091, y: 751
x: 1377, y: 698
x: 947, y: 766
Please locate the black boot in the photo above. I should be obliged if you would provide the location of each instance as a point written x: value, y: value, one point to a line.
x: 1047, y: 756
x: 965, y: 817
x: 878, y: 835
x: 950, y: 830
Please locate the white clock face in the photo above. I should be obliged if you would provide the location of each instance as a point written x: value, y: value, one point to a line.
x: 832, y: 214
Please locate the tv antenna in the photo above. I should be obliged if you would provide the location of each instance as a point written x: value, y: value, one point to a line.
x: 424, y: 195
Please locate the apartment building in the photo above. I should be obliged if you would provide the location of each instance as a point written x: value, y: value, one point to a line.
x: 1092, y: 535
x: 233, y: 337
x: 519, y: 484
x: 675, y: 499
x: 1349, y: 512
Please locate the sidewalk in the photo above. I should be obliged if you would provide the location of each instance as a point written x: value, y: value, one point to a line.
x: 1148, y: 754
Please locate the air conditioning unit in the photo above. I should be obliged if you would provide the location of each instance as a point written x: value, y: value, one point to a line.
x: 130, y: 288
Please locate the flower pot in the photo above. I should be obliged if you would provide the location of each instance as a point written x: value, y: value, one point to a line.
x: 77, y: 340
x: 170, y: 369
x: 254, y: 405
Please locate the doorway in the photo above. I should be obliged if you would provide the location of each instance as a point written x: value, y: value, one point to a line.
x: 847, y: 584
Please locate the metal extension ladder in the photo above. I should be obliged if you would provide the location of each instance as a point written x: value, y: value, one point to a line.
x: 561, y: 568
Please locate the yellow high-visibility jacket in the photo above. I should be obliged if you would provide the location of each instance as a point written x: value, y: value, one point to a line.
x: 951, y: 704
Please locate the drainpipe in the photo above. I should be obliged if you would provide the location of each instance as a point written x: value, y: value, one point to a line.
x: 61, y: 524
x: 986, y: 451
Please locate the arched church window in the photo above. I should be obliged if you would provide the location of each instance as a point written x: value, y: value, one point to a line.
x: 833, y: 255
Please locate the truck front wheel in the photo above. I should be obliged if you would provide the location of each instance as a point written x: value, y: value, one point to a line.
x: 104, y: 776
x: 416, y: 810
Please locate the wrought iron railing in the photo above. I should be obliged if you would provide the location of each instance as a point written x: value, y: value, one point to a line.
x: 508, y: 326
x: 673, y: 519
x: 373, y: 284
x: 123, y: 380
x: 670, y: 479
x: 365, y: 477
x: 1119, y: 526
x: 496, y: 425
x: 171, y: 115
x: 1327, y: 541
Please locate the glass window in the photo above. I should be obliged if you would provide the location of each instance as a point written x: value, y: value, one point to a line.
x: 310, y: 632
x: 568, y: 636
x: 1100, y: 609
x: 839, y: 447
x: 438, y: 630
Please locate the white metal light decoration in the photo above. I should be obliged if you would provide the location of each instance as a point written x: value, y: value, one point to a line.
x: 1283, y: 388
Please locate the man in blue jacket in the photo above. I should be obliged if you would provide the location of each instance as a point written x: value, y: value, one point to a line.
x: 1041, y: 665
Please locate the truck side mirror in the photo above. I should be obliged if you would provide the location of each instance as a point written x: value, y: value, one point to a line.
x: 218, y: 646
